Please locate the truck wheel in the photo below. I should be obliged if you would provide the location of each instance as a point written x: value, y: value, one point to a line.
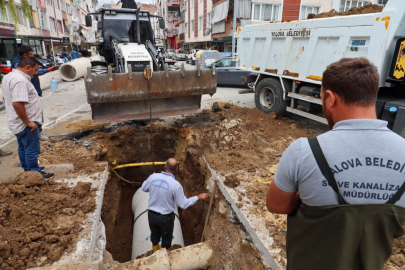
x: 269, y: 97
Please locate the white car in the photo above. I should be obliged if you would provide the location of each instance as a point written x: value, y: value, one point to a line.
x: 191, y: 56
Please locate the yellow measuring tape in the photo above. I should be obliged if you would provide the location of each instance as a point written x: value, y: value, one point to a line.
x: 140, y: 164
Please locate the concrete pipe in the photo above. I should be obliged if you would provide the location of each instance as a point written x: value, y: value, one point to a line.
x: 141, y: 242
x: 74, y: 70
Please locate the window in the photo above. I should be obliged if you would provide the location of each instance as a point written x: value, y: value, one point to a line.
x: 20, y: 15
x: 266, y: 12
x: 44, y: 23
x: 192, y: 25
x: 49, y: 2
x: 31, y: 20
x: 186, y: 27
x: 306, y: 10
x: 200, y: 1
x: 345, y: 5
x: 52, y: 23
x: 191, y: 4
x: 60, y: 27
x: 3, y: 18
x: 200, y: 23
x: 57, y: 4
x: 223, y: 63
x: 208, y: 22
x: 73, y: 9
x: 68, y: 9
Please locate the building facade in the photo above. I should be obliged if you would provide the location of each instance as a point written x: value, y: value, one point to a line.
x: 209, y: 23
x: 50, y: 21
x: 170, y: 11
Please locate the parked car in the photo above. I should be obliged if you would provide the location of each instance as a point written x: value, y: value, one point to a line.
x: 179, y: 55
x: 44, y: 63
x: 229, y: 75
x: 191, y: 56
x: 169, y: 53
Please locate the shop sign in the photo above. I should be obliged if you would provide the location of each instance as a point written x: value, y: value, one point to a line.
x: 42, y: 4
x: 65, y: 40
x: 7, y: 29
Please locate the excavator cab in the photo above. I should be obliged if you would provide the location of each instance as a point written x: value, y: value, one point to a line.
x: 129, y: 79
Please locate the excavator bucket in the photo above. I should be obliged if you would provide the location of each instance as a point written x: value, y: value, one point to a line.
x: 116, y: 97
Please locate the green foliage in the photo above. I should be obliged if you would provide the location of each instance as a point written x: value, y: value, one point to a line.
x: 25, y: 5
x: 13, y: 12
x: 3, y: 8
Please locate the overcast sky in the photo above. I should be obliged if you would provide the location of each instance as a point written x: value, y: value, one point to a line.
x: 102, y: 2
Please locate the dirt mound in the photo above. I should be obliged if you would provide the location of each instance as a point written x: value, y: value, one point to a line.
x: 370, y: 8
x: 39, y: 221
x: 232, y: 180
x: 30, y: 179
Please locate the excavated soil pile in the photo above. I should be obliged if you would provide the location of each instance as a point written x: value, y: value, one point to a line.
x: 370, y: 8
x: 40, y: 220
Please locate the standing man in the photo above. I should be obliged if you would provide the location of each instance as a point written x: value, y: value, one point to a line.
x: 343, y: 190
x: 74, y: 54
x: 164, y: 191
x: 24, y: 112
x: 26, y: 51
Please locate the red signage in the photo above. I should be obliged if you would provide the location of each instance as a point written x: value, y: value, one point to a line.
x: 7, y: 29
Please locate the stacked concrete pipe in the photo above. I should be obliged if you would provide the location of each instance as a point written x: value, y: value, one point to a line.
x: 74, y: 70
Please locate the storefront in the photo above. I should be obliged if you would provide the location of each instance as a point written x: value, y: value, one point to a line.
x: 8, y: 44
x: 34, y: 42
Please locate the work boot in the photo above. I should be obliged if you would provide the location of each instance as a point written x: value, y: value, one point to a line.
x: 5, y: 153
x: 43, y: 137
x: 42, y: 168
x: 47, y: 175
x: 156, y: 248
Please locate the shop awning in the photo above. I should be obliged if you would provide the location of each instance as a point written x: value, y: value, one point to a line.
x: 220, y: 12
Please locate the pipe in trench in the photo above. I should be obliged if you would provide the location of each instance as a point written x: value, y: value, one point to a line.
x: 188, y: 258
x: 74, y: 70
x: 141, y: 242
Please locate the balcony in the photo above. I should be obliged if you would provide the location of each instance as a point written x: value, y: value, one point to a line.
x: 170, y: 3
x: 172, y: 16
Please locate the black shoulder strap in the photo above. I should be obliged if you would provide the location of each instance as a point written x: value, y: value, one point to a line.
x: 397, y: 195
x: 324, y: 167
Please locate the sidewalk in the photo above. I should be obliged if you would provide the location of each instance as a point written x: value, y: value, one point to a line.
x: 45, y: 81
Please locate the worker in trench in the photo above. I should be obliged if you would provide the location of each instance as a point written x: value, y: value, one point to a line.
x: 343, y: 190
x: 164, y: 191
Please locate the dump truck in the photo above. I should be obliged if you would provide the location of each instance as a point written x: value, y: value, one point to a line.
x: 129, y: 78
x: 290, y: 57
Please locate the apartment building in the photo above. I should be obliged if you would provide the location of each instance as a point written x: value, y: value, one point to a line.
x: 209, y: 23
x: 50, y: 21
x: 169, y: 10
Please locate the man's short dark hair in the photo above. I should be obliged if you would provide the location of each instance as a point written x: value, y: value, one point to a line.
x: 170, y: 167
x: 28, y: 61
x: 24, y: 49
x: 355, y: 80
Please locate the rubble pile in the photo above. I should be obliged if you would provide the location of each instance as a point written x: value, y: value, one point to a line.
x: 40, y: 220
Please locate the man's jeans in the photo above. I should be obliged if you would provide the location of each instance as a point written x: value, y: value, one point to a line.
x: 29, y: 149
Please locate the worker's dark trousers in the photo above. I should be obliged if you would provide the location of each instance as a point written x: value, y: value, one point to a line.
x: 161, y: 226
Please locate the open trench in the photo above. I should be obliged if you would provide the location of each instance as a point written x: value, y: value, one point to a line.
x: 117, y: 212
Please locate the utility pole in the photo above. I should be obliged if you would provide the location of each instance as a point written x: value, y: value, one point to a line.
x: 235, y: 12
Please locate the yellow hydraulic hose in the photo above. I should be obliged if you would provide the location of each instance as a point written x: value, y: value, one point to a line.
x: 140, y: 164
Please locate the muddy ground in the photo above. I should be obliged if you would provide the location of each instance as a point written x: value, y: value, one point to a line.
x: 242, y: 145
x: 370, y: 8
x: 40, y: 220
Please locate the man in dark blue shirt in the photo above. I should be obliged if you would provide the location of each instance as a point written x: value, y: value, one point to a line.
x: 74, y: 54
x: 23, y: 52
